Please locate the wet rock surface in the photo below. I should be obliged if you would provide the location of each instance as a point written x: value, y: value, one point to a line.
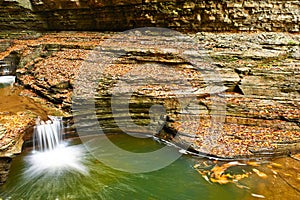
x: 19, y: 109
x: 5, y: 163
x: 258, y: 81
x: 14, y: 125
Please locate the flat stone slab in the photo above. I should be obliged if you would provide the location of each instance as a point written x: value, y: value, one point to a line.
x: 259, y: 85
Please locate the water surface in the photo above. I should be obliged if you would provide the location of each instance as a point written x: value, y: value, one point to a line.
x: 177, y: 181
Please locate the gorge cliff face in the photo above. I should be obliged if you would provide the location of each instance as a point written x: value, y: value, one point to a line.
x: 259, y: 73
x: 119, y: 15
x: 259, y: 70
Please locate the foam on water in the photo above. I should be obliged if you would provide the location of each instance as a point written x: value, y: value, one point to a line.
x: 52, y: 155
x: 59, y: 160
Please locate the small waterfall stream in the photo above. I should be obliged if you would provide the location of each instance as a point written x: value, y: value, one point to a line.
x: 48, y: 135
x: 7, y: 81
x: 7, y: 72
x: 51, y: 154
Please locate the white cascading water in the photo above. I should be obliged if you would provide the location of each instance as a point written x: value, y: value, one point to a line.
x: 51, y: 154
x: 7, y: 80
x: 48, y: 135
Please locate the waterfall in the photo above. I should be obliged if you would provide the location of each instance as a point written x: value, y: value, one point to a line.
x: 7, y: 80
x: 6, y: 71
x: 51, y: 154
x: 48, y: 135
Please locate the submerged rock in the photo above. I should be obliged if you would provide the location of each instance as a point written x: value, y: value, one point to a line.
x: 5, y: 163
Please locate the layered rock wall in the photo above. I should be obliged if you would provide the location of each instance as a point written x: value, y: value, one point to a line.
x: 260, y: 72
x: 116, y: 15
x: 18, y: 15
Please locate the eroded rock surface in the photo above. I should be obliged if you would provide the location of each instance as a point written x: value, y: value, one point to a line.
x: 13, y: 128
x: 19, y: 109
x: 258, y: 79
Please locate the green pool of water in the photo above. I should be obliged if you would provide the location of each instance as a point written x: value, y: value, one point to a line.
x: 177, y: 181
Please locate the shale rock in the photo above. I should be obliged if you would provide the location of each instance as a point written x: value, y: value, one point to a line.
x: 116, y: 15
x: 13, y: 129
x: 251, y: 102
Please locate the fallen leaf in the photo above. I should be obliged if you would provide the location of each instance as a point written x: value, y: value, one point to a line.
x: 252, y: 163
x: 221, y: 180
x: 274, y: 172
x: 206, y: 178
x: 276, y: 165
x: 259, y: 173
x: 258, y: 196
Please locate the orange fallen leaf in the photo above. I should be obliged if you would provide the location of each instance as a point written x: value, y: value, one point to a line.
x: 274, y: 172
x: 252, y: 163
x: 258, y: 195
x: 259, y: 173
x: 276, y: 165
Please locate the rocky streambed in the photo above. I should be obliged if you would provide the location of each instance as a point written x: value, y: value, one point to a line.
x: 225, y: 95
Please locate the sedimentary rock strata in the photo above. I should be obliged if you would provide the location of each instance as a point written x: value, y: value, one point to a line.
x: 257, y: 82
x: 116, y: 15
